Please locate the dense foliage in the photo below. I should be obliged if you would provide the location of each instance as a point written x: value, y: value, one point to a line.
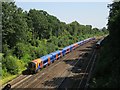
x: 30, y: 35
x: 108, y: 65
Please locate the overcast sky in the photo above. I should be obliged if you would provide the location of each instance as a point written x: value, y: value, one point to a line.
x: 86, y: 13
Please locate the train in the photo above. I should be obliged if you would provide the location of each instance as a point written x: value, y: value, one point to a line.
x: 98, y: 44
x: 43, y: 61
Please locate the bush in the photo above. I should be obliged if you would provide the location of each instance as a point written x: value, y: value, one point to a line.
x: 4, y: 73
x: 51, y: 47
x: 21, y: 49
x: 26, y: 58
x: 12, y: 64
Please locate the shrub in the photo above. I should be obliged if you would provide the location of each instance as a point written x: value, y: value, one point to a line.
x: 21, y: 49
x: 12, y: 64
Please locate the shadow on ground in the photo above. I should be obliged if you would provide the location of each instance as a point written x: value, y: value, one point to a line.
x: 85, y: 50
x: 73, y: 80
x: 26, y: 72
x: 89, y: 47
x: 70, y: 82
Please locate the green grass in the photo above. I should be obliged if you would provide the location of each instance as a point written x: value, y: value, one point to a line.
x: 9, y: 77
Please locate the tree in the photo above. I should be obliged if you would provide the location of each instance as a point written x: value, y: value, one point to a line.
x: 113, y: 23
x: 15, y: 28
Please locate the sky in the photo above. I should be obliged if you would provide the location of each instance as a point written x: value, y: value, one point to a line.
x: 86, y: 13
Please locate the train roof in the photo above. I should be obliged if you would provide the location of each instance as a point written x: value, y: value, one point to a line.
x: 76, y: 44
x: 37, y: 60
x: 71, y: 45
x: 99, y: 42
x: 67, y: 47
x: 56, y: 52
x: 45, y: 57
x: 87, y: 39
x: 79, y: 42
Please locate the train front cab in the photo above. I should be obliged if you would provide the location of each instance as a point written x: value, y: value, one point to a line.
x: 31, y: 67
x: 35, y: 65
x: 97, y: 46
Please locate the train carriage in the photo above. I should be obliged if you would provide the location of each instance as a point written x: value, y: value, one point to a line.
x: 98, y: 44
x: 75, y: 45
x: 67, y: 50
x: 92, y: 38
x: 39, y: 63
x: 47, y: 59
x: 71, y: 47
x: 86, y: 40
x: 80, y: 43
x: 57, y: 54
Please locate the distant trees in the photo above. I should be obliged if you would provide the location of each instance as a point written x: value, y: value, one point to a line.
x: 30, y: 35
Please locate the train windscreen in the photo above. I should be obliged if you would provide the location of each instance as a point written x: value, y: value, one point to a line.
x: 31, y: 65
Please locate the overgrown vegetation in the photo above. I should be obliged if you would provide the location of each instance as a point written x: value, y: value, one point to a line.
x: 107, y: 73
x: 30, y: 35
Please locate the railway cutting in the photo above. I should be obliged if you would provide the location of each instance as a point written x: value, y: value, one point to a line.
x: 71, y: 71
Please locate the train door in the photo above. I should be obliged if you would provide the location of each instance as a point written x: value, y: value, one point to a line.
x: 60, y: 54
x: 41, y: 64
x: 56, y: 56
x: 49, y: 61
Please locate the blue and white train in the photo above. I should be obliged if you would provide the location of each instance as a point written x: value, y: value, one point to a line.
x: 39, y: 63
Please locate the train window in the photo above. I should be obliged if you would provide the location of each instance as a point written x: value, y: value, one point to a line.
x: 51, y: 58
x: 33, y: 65
x: 45, y: 61
x: 59, y: 53
x: 97, y: 44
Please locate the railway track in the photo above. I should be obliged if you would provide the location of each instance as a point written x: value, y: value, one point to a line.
x: 23, y: 78
x: 70, y: 72
x: 55, y: 72
x: 52, y: 76
x: 65, y: 73
x: 27, y: 79
x: 85, y: 77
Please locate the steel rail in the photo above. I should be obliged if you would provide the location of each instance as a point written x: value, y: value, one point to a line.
x: 86, y: 69
x: 70, y: 72
x: 90, y: 72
